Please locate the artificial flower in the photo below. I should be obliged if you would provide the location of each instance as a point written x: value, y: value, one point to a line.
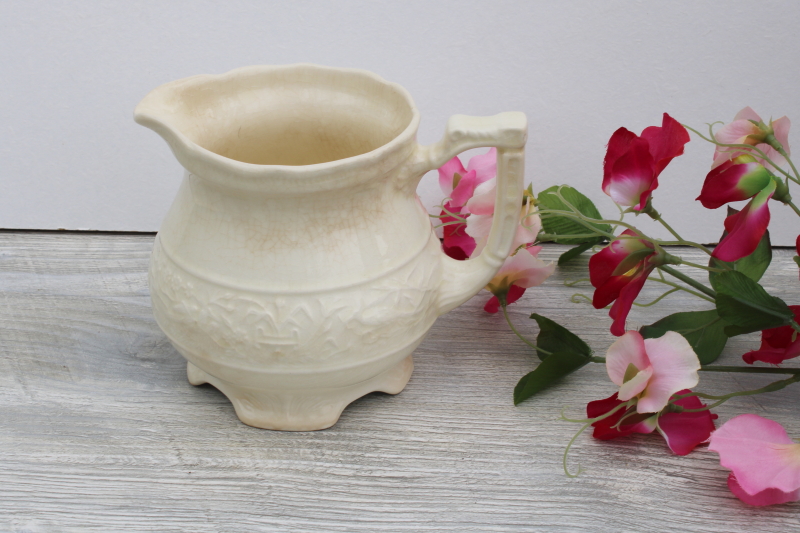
x: 458, y: 185
x: 651, y: 370
x: 746, y: 228
x: 777, y: 344
x: 481, y: 208
x: 519, y: 272
x: 764, y: 461
x: 456, y: 243
x: 633, y: 163
x: 618, y: 273
x: 734, y: 180
x: 748, y: 128
x: 683, y: 431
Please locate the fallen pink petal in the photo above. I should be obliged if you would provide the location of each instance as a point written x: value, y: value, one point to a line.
x: 764, y: 461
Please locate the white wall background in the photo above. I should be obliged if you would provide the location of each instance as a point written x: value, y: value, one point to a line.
x: 71, y: 73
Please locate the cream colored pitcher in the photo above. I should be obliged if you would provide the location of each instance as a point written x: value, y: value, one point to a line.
x: 297, y: 270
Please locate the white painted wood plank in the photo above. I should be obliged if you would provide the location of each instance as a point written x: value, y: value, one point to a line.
x: 100, y: 431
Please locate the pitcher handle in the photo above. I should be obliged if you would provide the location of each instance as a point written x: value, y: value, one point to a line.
x: 508, y: 133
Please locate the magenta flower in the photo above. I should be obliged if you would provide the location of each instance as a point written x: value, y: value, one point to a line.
x: 633, y: 163
x: 776, y: 344
x: 459, y: 184
x: 746, y: 228
x: 748, y: 128
x: 764, y: 461
x: 734, y: 180
x: 651, y: 370
x: 683, y: 431
x: 618, y: 273
x: 519, y: 272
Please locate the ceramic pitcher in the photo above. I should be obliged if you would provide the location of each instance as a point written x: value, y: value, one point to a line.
x: 297, y: 270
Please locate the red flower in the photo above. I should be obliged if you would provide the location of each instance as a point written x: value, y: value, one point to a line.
x: 734, y: 180
x: 746, y: 228
x: 776, y: 344
x: 618, y: 272
x: 740, y: 179
x: 683, y: 431
x: 456, y: 243
x: 633, y: 163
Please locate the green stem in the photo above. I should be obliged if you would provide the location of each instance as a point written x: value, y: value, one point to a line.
x: 693, y: 293
x: 657, y: 299
x: 689, y: 281
x: 503, y: 305
x: 587, y: 423
x: 555, y: 236
x: 772, y: 387
x: 686, y: 243
x: 781, y: 151
x: 723, y: 368
x: 702, y: 267
x: 750, y: 369
x: 588, y: 222
x: 794, y: 207
x: 655, y: 215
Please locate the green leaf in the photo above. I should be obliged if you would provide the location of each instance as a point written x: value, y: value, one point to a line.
x: 572, y: 253
x: 561, y: 225
x: 704, y: 330
x: 745, y: 305
x: 754, y: 265
x: 555, y: 338
x: 547, y: 373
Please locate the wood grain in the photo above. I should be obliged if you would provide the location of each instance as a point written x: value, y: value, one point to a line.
x: 100, y: 431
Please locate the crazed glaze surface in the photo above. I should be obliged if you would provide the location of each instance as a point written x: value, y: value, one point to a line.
x: 296, y: 270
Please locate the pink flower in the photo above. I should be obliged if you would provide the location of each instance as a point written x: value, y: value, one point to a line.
x: 633, y: 164
x: 743, y: 130
x: 683, y: 431
x: 734, y: 180
x: 764, y: 461
x: 458, y: 184
x: 479, y: 223
x: 618, y: 272
x: 519, y: 272
x: 746, y: 228
x: 776, y: 344
x: 651, y: 370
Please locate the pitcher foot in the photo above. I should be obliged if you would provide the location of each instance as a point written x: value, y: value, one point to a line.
x: 297, y: 409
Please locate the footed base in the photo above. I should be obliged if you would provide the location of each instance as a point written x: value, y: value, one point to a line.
x: 298, y: 409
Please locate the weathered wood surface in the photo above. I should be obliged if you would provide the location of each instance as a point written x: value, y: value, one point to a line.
x: 100, y: 431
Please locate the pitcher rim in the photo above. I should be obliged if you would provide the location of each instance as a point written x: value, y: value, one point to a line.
x: 145, y: 115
